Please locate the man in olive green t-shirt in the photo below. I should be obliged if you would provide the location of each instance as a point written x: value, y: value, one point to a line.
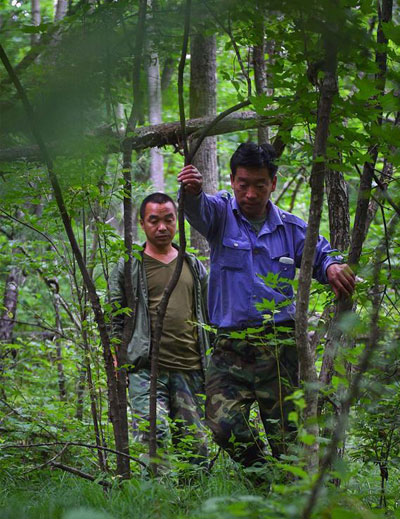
x: 180, y: 385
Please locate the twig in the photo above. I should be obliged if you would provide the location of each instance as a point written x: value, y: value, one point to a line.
x: 84, y: 475
x: 212, y: 462
x: 32, y: 229
x: 48, y: 462
x: 49, y: 433
x: 284, y: 189
x: 71, y: 444
x: 211, y: 125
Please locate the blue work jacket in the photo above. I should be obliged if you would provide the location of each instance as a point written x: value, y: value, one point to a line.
x: 246, y: 268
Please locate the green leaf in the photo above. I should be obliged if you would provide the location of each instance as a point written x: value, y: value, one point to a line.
x: 392, y: 32
x: 308, y: 439
x: 297, y: 471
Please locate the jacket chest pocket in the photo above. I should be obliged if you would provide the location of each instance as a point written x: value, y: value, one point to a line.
x: 235, y: 254
x: 284, y: 266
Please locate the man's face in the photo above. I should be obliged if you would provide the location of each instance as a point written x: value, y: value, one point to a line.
x: 252, y: 188
x: 159, y: 224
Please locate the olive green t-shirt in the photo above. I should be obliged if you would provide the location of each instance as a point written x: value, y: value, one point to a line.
x: 258, y: 224
x: 179, y: 348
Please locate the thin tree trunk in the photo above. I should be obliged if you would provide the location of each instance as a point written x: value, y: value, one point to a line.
x: 35, y: 13
x: 102, y: 457
x: 155, y: 110
x: 61, y: 10
x: 162, y: 307
x: 14, y: 280
x: 364, y: 193
x: 360, y: 227
x: 120, y: 442
x: 260, y: 78
x: 60, y: 366
x: 364, y: 363
x: 308, y: 372
x: 167, y: 73
x: 203, y: 101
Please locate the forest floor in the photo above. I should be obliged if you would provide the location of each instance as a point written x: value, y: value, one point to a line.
x: 224, y: 494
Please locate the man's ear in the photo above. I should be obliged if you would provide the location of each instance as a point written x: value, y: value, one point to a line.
x: 274, y: 181
x: 141, y: 224
x: 232, y: 180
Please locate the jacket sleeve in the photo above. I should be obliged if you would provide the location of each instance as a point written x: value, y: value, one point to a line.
x: 324, y: 254
x: 203, y: 278
x: 204, y: 212
x: 117, y: 299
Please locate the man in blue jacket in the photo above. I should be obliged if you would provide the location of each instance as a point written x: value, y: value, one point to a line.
x: 255, y: 249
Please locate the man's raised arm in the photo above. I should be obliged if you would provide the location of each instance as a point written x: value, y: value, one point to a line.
x: 201, y: 210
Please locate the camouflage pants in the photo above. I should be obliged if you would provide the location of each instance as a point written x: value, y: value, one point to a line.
x: 180, y: 411
x: 244, y: 371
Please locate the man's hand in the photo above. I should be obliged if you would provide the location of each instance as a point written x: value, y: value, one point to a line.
x: 191, y: 179
x: 342, y: 279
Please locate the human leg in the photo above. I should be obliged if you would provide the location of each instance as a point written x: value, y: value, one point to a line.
x: 276, y: 377
x: 230, y: 393
x: 139, y: 395
x: 187, y: 413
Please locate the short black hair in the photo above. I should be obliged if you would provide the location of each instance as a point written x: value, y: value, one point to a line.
x: 251, y: 155
x: 155, y: 198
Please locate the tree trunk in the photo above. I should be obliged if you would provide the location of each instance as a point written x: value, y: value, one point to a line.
x: 203, y: 101
x: 260, y: 78
x: 167, y: 73
x: 10, y: 300
x: 308, y: 372
x: 364, y: 193
x: 35, y: 13
x: 61, y: 10
x: 117, y: 418
x: 360, y: 226
x: 59, y: 360
x: 155, y: 111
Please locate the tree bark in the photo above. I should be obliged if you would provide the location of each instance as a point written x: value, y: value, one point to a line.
x: 35, y: 13
x: 260, y: 79
x: 364, y: 193
x: 364, y: 363
x: 203, y: 102
x: 158, y: 135
x: 155, y: 113
x: 155, y: 117
x: 60, y: 366
x: 61, y: 10
x: 360, y: 226
x: 14, y: 280
x: 308, y: 372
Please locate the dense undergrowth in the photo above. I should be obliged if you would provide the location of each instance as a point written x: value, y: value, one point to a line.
x: 226, y: 492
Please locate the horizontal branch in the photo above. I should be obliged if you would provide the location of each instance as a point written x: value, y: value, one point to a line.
x: 69, y: 444
x: 166, y: 134
x: 77, y: 472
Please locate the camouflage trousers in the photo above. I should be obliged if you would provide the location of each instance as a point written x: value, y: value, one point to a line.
x: 244, y: 371
x: 180, y: 411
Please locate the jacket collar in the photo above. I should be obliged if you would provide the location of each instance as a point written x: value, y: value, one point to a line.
x: 273, y: 219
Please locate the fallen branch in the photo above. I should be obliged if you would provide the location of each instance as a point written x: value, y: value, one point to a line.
x: 77, y: 472
x: 71, y: 444
x: 157, y: 135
